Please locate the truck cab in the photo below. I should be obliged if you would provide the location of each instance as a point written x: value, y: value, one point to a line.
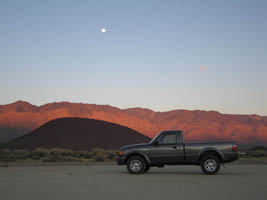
x: 167, y: 148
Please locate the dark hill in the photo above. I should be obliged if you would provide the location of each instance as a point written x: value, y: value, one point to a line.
x: 78, y: 134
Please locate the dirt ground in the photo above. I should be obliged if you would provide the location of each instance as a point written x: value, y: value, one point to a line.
x: 108, y: 181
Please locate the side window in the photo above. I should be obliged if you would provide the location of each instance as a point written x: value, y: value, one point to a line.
x: 167, y: 139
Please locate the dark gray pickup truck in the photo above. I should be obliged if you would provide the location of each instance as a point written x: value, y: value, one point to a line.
x: 168, y: 148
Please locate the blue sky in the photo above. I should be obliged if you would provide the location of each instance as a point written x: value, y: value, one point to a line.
x: 150, y: 56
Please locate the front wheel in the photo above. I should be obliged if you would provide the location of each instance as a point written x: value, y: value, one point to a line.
x: 136, y: 165
x: 147, y: 168
x: 210, y: 164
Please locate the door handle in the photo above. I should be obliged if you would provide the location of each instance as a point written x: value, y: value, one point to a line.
x: 174, y: 147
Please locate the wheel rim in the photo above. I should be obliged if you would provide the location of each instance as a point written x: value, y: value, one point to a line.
x: 210, y: 165
x: 135, y: 165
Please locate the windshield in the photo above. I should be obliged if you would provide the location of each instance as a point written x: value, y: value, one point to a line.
x: 155, y: 138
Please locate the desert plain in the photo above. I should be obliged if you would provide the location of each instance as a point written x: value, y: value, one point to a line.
x: 103, y: 181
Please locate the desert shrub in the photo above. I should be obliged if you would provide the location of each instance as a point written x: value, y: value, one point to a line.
x: 57, y: 152
x: 34, y: 156
x: 94, y: 151
x: 7, y: 155
x: 50, y: 158
x: 256, y: 148
x: 111, y: 154
x: 64, y: 154
x: 77, y: 154
x: 100, y: 156
x: 39, y: 153
x: 86, y: 154
x: 22, y: 154
x: 257, y: 154
x: 4, y: 153
x: 11, y: 157
x: 67, y: 152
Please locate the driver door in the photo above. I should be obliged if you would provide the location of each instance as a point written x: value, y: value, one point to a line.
x: 166, y: 150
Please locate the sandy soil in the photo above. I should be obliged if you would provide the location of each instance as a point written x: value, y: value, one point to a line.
x: 100, y: 181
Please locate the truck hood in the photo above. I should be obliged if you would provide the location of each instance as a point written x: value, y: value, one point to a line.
x: 133, y: 146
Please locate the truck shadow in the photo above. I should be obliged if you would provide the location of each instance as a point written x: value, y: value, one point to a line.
x: 193, y: 173
x: 181, y: 173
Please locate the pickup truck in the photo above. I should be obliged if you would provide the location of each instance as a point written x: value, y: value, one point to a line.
x: 168, y: 148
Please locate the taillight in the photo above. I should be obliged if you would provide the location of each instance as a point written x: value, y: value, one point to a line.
x: 234, y: 147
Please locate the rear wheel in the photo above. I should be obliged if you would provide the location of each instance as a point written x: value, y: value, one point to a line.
x: 210, y: 164
x: 136, y: 165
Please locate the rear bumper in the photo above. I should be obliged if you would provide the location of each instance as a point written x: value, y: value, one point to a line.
x: 230, y: 157
x: 121, y: 160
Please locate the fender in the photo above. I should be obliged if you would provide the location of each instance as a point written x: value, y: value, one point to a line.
x: 140, y: 154
x: 210, y: 149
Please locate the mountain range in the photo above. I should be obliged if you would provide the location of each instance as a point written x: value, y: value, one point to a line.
x: 20, y: 118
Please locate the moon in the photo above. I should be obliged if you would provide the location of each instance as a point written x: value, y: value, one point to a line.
x: 103, y: 30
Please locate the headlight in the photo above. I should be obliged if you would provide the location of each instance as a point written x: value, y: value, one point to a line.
x: 120, y: 153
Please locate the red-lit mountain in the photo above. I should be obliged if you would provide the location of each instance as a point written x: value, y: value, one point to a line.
x: 19, y: 118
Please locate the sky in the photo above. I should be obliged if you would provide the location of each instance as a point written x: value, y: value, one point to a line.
x: 161, y: 55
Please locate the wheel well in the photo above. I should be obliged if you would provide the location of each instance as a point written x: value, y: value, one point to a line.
x: 209, y: 153
x: 136, y: 154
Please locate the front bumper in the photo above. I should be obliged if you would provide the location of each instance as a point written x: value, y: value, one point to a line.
x: 121, y: 160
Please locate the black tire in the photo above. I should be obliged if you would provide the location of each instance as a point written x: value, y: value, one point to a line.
x: 147, y: 168
x: 210, y: 164
x: 136, y: 165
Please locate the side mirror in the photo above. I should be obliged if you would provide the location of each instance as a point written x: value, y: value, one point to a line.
x: 156, y: 142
